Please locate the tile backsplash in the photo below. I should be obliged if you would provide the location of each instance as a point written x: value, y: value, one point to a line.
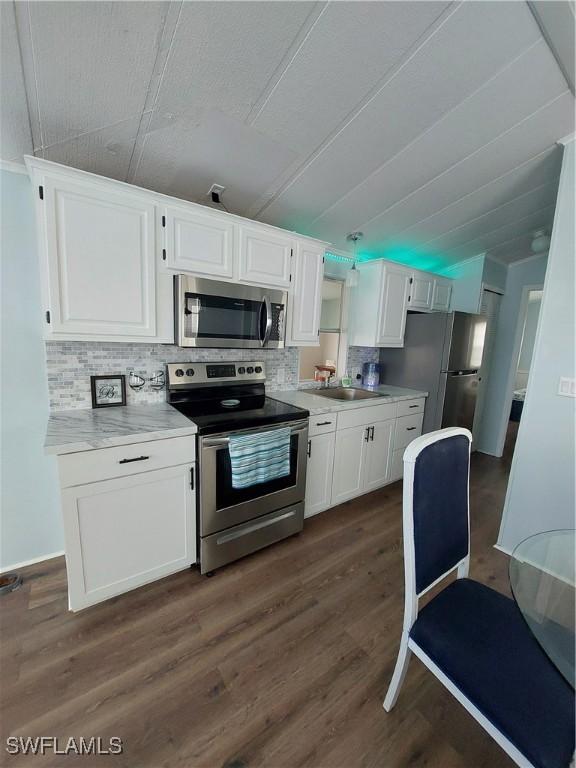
x: 357, y: 356
x: 70, y: 365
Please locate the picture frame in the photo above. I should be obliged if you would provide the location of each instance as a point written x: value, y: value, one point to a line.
x: 108, y: 391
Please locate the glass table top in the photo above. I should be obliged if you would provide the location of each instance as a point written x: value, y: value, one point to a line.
x: 542, y: 577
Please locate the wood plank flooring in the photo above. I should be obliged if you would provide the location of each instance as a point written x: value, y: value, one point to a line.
x: 280, y: 660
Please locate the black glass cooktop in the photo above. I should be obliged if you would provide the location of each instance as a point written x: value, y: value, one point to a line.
x: 232, y: 408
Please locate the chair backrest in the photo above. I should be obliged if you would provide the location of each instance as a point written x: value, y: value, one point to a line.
x: 436, y: 506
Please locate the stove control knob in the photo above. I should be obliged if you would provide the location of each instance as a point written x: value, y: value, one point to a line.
x: 242, y: 369
x: 190, y: 372
x: 258, y: 369
x: 179, y: 372
x: 249, y: 369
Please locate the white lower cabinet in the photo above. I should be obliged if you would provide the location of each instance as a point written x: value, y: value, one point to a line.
x: 365, y: 453
x: 319, y: 473
x: 128, y: 530
x: 378, y: 450
x: 349, y: 455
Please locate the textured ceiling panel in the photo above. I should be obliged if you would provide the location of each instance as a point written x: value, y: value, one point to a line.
x: 106, y: 152
x: 533, y: 78
x: 93, y: 62
x: 435, y: 79
x: 15, y: 136
x: 223, y: 55
x: 219, y: 149
x: 429, y: 126
x: 350, y: 49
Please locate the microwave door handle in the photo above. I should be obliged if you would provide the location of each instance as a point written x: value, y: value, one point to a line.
x: 268, y: 328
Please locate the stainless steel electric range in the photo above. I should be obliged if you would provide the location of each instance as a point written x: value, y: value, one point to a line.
x: 225, y: 399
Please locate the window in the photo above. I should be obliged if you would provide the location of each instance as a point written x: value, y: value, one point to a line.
x: 331, y: 354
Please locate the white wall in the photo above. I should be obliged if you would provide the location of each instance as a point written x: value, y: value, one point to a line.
x: 542, y: 480
x: 498, y: 398
x: 30, y: 525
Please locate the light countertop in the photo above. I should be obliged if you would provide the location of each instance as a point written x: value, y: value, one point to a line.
x: 317, y: 404
x: 86, y: 429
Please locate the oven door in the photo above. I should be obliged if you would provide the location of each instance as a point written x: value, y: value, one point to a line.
x: 214, y: 314
x: 222, y: 506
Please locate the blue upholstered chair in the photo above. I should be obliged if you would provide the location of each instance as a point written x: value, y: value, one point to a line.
x: 472, y: 638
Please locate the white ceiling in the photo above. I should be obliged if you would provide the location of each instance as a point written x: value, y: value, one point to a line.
x: 430, y: 126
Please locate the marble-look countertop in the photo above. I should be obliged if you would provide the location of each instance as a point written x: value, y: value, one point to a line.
x: 86, y: 429
x: 317, y: 404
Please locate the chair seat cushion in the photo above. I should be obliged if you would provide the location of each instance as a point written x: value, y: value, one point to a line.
x: 480, y: 641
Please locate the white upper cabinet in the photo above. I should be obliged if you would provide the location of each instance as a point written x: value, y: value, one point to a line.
x: 421, y: 291
x: 379, y: 304
x: 198, y: 242
x: 265, y: 256
x: 393, y: 306
x: 98, y: 263
x: 305, y: 302
x: 441, y: 294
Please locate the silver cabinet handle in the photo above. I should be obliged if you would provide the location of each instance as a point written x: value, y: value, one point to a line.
x: 372, y: 434
x: 129, y: 461
x: 367, y: 434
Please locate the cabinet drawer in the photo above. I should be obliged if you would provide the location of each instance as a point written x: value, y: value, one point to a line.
x: 407, y: 428
x: 368, y: 415
x: 124, y: 460
x: 320, y: 425
x: 410, y: 407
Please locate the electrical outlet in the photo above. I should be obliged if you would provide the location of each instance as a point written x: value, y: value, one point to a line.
x: 217, y: 189
x: 567, y: 387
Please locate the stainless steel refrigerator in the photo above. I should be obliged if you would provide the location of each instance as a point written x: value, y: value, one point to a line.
x: 442, y: 354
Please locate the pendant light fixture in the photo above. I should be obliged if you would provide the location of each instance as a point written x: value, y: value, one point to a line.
x: 352, y: 276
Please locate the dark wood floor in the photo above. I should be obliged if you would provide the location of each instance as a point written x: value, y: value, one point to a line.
x: 280, y: 660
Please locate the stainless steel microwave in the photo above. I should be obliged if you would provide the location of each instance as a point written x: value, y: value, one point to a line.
x: 209, y: 313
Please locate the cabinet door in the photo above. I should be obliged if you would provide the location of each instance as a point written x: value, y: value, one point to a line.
x: 393, y: 307
x: 421, y: 290
x: 265, y: 256
x: 306, y: 300
x: 377, y: 462
x: 198, y: 242
x: 126, y: 532
x: 349, y: 457
x: 441, y: 295
x: 319, y: 473
x: 101, y: 261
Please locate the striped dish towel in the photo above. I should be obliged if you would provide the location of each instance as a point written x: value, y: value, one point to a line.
x: 259, y: 457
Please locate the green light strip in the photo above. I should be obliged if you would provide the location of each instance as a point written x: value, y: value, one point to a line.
x: 335, y: 257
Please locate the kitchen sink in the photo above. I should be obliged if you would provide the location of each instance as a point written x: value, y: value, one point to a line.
x: 345, y: 393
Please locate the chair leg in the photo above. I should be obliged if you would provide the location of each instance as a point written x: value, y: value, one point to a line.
x: 400, y: 669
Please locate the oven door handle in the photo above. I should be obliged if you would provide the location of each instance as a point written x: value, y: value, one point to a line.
x: 265, y: 307
x: 220, y: 442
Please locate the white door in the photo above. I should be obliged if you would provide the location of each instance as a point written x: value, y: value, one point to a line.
x: 349, y: 458
x: 265, y: 256
x: 306, y: 300
x: 379, y: 448
x: 199, y: 242
x: 128, y: 531
x: 489, y: 307
x: 421, y: 291
x: 101, y: 261
x: 319, y: 473
x: 393, y: 307
x: 441, y: 295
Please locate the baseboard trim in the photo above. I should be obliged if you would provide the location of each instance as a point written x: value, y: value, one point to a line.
x: 34, y: 561
x: 500, y: 548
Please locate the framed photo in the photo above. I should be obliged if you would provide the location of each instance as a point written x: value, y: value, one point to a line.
x: 108, y: 391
